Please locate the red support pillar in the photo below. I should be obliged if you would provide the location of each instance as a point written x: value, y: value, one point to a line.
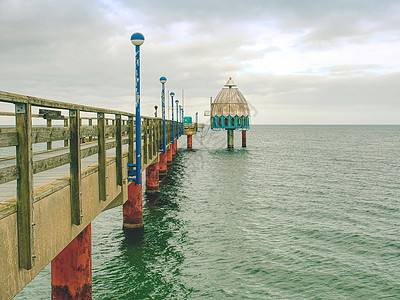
x: 152, y: 178
x: 174, y: 149
x: 244, y: 138
x: 162, y: 166
x: 169, y: 155
x: 133, y: 208
x: 71, y: 269
x: 189, y: 142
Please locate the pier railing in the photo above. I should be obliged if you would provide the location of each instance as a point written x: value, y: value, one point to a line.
x: 82, y: 136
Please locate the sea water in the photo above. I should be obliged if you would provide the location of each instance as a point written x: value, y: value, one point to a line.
x: 302, y: 212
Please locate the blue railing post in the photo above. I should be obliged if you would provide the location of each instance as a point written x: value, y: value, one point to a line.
x: 137, y: 39
x: 177, y: 120
x: 172, y: 94
x: 163, y: 80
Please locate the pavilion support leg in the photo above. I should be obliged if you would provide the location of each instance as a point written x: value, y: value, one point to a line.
x: 230, y: 134
x: 189, y: 142
x: 169, y: 156
x: 244, y: 138
x: 71, y: 269
x: 162, y: 165
x: 133, y: 208
x: 152, y: 178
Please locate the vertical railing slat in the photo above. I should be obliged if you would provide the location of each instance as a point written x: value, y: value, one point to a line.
x: 23, y: 121
x: 90, y: 124
x: 131, y: 140
x: 75, y: 167
x: 145, y: 147
x: 102, y: 156
x: 118, y: 151
x: 66, y: 125
x: 48, y: 124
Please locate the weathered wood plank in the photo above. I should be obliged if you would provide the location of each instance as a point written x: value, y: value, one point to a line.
x: 102, y: 156
x: 25, y: 186
x: 8, y: 139
x: 9, y: 174
x: 89, y: 131
x: 118, y: 151
x: 75, y: 167
x: 110, y: 130
x: 35, y: 101
x: 48, y: 134
x: 51, y: 163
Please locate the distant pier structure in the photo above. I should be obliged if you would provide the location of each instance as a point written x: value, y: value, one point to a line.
x: 230, y: 112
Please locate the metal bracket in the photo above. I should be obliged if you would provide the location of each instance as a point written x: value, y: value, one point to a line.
x: 20, y: 108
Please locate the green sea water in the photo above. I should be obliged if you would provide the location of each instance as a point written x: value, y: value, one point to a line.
x: 304, y: 212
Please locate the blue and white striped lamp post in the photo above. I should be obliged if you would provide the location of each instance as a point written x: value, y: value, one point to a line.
x: 137, y: 39
x: 163, y: 80
x: 172, y: 94
x: 181, y: 112
x: 197, y: 121
x: 177, y: 119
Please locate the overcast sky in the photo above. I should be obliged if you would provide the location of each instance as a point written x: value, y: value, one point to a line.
x: 295, y: 61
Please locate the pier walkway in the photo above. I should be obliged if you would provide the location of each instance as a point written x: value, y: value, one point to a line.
x: 50, y: 196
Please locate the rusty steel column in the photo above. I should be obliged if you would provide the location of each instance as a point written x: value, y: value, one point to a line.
x: 152, y: 178
x: 162, y: 165
x: 189, y: 142
x: 133, y: 208
x: 169, y: 155
x: 71, y: 269
x: 244, y: 138
x: 174, y: 149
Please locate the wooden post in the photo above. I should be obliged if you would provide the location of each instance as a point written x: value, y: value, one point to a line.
x: 75, y: 167
x: 102, y: 156
x: 65, y: 125
x: 145, y: 146
x: 118, y: 150
x: 150, y: 130
x: 48, y: 124
x: 131, y: 140
x: 25, y: 223
x: 90, y: 124
x: 71, y: 269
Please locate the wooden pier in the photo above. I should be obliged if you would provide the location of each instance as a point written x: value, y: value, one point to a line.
x: 50, y: 197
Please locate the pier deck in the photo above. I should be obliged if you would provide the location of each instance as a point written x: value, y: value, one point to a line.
x: 48, y: 198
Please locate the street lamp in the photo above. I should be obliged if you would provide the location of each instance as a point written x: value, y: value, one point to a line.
x: 163, y: 80
x: 177, y: 120
x: 137, y: 39
x: 172, y: 94
x: 181, y: 112
x: 197, y: 121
